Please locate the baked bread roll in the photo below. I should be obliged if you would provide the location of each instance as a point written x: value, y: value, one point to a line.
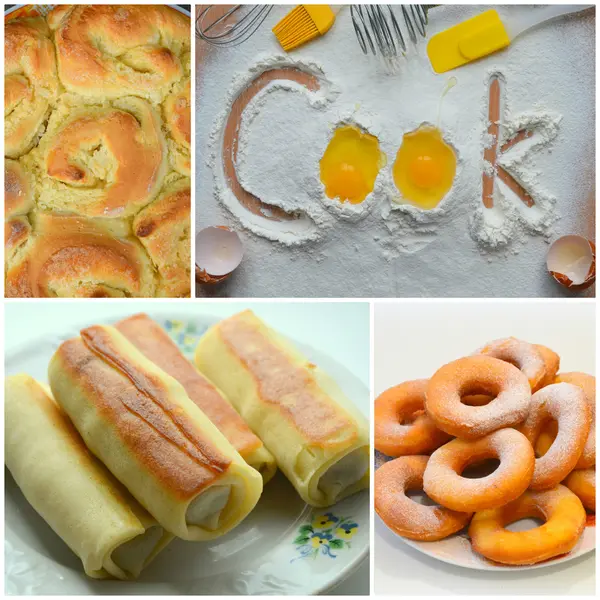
x: 318, y: 438
x: 18, y: 201
x: 163, y: 228
x: 76, y: 257
x: 71, y: 490
x: 30, y: 83
x: 141, y: 424
x: 122, y: 174
x: 109, y: 51
x: 109, y: 146
x: 154, y: 343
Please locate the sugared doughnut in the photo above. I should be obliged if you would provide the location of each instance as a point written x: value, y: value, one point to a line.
x: 564, y: 518
x: 444, y: 483
x: 401, y: 425
x: 521, y: 354
x: 582, y: 483
x: 405, y: 516
x: 476, y: 375
x: 588, y: 384
x: 566, y: 404
x: 551, y: 365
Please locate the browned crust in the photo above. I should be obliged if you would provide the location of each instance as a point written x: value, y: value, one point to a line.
x: 136, y: 405
x: 154, y: 342
x: 292, y: 390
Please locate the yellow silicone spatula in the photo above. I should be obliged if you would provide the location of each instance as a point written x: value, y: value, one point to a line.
x: 487, y: 33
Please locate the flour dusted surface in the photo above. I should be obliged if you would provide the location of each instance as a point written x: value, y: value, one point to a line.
x: 382, y: 248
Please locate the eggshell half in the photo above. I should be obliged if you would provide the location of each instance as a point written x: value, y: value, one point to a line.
x: 571, y: 261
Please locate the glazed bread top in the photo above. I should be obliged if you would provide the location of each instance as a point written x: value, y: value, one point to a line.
x: 163, y: 228
x: 154, y: 342
x: 30, y: 83
x: 97, y: 121
x: 122, y: 175
x: 144, y: 407
x: 111, y: 51
x: 68, y: 256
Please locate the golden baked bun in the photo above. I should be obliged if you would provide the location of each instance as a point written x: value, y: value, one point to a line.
x: 110, y: 51
x: 177, y: 114
x: 18, y: 201
x: 30, y: 83
x: 102, y: 160
x: 97, y: 165
x: 68, y: 256
x: 163, y: 227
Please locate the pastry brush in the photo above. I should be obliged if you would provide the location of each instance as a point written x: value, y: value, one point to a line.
x: 302, y: 24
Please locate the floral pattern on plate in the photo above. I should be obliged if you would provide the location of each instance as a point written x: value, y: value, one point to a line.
x: 325, y: 534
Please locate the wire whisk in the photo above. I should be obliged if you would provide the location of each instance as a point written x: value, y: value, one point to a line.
x: 378, y: 31
x: 219, y: 26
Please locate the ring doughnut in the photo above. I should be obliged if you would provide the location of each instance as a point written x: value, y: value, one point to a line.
x: 566, y: 404
x: 405, y: 516
x: 582, y: 483
x: 444, y: 483
x: 475, y: 375
x: 521, y: 354
x: 564, y: 518
x: 393, y: 409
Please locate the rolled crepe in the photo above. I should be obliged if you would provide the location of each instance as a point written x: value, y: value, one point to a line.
x: 141, y: 424
x: 71, y: 490
x: 318, y: 438
x: 154, y: 343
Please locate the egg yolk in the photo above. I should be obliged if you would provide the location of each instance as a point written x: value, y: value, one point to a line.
x: 425, y: 167
x: 350, y: 164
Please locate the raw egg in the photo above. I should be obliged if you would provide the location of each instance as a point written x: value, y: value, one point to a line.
x: 425, y: 167
x: 350, y: 164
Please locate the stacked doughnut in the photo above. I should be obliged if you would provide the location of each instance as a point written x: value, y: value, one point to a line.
x: 507, y: 403
x: 97, y: 152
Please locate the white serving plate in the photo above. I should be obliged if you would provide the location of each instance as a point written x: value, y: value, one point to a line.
x: 264, y: 555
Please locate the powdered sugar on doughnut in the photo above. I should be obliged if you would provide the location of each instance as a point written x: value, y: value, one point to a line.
x: 405, y: 516
x: 520, y: 353
x: 566, y: 404
x: 477, y: 375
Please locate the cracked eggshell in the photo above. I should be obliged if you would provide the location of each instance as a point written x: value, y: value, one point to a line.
x: 571, y: 261
x: 219, y: 252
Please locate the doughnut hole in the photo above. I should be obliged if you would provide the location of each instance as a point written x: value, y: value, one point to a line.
x: 420, y: 497
x: 478, y: 470
x: 476, y: 394
x: 546, y: 438
x: 525, y: 524
x: 410, y: 418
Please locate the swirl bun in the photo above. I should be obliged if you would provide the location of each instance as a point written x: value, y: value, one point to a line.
x: 74, y: 257
x: 97, y: 166
x: 102, y: 161
x: 111, y: 51
x: 157, y: 226
x: 30, y: 83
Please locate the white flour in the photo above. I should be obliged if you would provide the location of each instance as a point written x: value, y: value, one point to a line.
x: 383, y: 247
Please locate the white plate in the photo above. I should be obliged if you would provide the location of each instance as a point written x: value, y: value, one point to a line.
x: 264, y: 555
x: 457, y: 549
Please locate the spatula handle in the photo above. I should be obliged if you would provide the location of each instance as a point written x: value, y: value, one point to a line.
x: 535, y: 16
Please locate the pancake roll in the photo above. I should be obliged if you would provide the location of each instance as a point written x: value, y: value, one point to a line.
x: 141, y: 424
x: 318, y: 438
x: 154, y: 342
x: 71, y: 490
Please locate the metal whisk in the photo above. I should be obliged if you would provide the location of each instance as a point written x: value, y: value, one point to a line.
x: 230, y: 27
x: 377, y: 28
